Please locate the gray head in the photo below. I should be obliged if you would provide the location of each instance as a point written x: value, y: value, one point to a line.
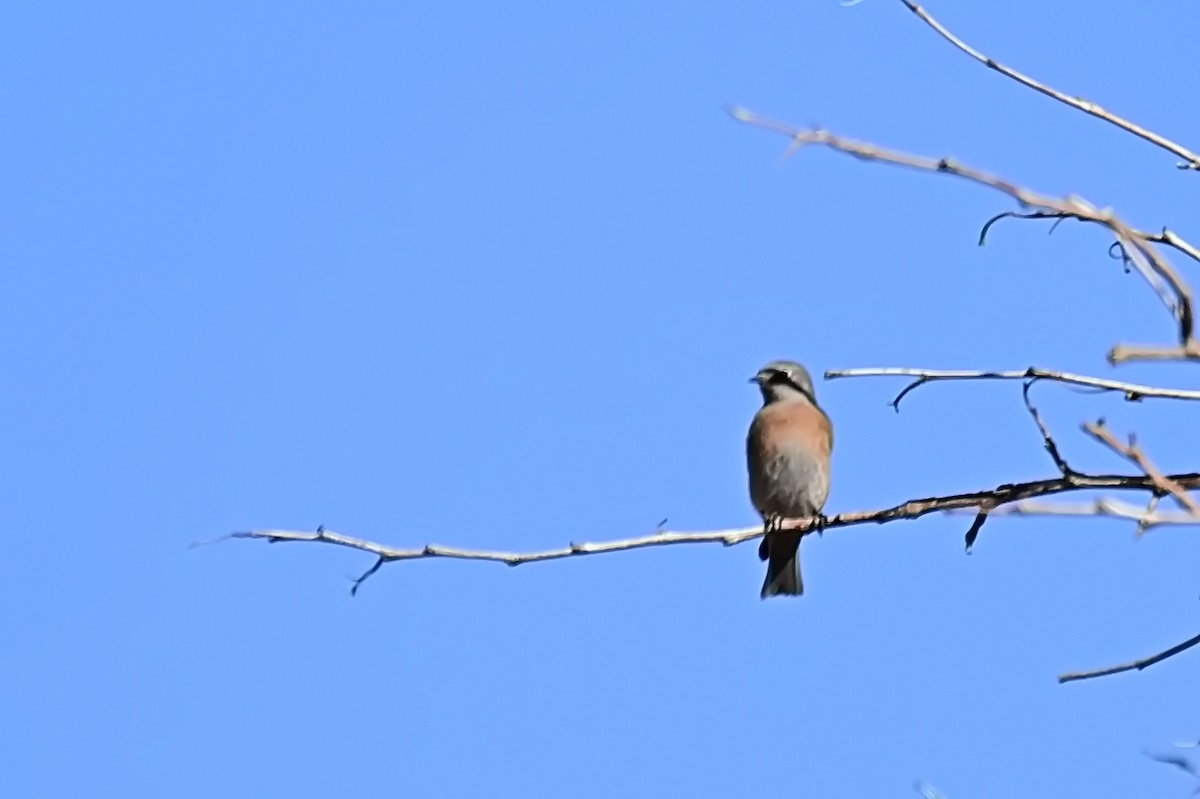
x: 783, y: 380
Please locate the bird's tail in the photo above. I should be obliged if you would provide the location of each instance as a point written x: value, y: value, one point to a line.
x: 783, y: 565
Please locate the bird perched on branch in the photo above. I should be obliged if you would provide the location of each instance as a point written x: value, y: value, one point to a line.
x: 787, y: 454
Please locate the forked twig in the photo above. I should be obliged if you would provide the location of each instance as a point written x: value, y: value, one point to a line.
x: 1134, y: 454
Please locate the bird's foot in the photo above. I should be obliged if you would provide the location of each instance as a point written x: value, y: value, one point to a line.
x: 819, y: 522
x: 770, y: 525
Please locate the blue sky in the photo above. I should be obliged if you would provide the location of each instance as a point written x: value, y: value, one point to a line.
x: 495, y: 276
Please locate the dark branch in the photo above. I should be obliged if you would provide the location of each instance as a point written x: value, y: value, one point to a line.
x: 1168, y: 237
x: 1133, y: 453
x: 1136, y: 665
x: 1047, y: 439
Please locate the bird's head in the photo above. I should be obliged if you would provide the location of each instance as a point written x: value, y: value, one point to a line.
x: 781, y: 380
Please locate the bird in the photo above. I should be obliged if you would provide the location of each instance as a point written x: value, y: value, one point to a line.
x: 787, y: 458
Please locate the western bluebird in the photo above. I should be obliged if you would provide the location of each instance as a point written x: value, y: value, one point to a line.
x: 787, y: 452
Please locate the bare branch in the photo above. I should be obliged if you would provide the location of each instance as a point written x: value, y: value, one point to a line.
x: 1190, y: 160
x: 1122, y: 353
x: 913, y: 509
x: 1142, y: 254
x: 1172, y: 239
x: 1132, y: 391
x: 1136, y: 665
x: 1133, y: 453
x: 388, y: 554
x: 1102, y: 506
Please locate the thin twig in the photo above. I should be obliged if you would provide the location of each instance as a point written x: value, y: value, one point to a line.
x: 1136, y: 665
x: 1167, y: 236
x: 1133, y: 453
x: 1178, y: 761
x: 1101, y: 506
x: 1047, y: 439
x: 1151, y: 508
x: 1190, y: 160
x: 1132, y: 391
x: 1142, y: 254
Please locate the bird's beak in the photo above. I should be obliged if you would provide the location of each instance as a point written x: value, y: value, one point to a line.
x: 753, y: 379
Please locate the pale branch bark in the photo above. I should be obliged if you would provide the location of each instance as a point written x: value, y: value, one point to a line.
x: 1143, y: 523
x: 984, y: 501
x: 1141, y: 252
x: 1134, y: 454
x: 1136, y: 665
x: 1132, y: 391
x: 1188, y: 351
x: 1172, y: 239
x: 1147, y: 518
x: 1190, y: 159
